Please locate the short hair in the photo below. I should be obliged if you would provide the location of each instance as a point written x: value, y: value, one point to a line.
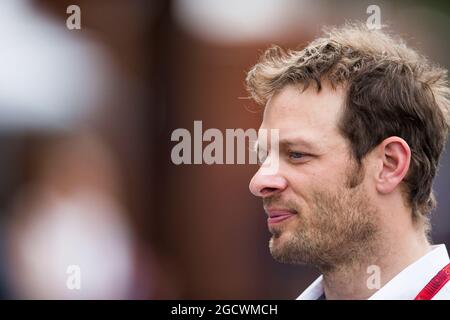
x: 391, y: 90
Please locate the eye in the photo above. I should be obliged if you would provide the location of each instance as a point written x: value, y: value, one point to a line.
x: 296, y: 156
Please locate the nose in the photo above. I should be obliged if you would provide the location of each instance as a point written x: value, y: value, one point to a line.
x: 263, y: 185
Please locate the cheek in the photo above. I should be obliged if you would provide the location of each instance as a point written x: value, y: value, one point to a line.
x: 326, y: 173
x: 333, y: 173
x: 306, y: 179
x: 301, y: 188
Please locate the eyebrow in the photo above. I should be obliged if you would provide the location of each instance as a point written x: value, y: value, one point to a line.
x: 283, y: 143
x: 298, y: 141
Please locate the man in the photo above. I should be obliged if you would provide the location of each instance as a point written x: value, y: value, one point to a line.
x: 362, y: 120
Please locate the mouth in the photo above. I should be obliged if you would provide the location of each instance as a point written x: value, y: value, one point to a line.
x: 277, y: 215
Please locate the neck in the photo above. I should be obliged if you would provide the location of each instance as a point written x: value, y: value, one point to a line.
x: 362, y: 277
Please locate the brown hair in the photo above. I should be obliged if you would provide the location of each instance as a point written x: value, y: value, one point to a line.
x: 391, y: 91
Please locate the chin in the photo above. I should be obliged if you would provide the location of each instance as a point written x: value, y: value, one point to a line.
x: 279, y: 251
x: 278, y: 243
x: 284, y: 249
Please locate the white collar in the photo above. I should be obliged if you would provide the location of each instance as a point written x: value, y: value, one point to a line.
x: 405, y: 285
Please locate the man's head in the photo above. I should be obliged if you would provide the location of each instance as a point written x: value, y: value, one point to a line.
x: 363, y: 120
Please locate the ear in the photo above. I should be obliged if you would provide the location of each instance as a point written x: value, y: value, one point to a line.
x: 395, y: 156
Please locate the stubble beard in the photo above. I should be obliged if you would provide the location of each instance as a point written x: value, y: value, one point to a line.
x: 341, y: 228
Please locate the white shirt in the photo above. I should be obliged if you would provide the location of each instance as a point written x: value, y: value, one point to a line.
x: 405, y: 285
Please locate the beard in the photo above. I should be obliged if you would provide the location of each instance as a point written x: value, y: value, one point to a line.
x: 340, y: 228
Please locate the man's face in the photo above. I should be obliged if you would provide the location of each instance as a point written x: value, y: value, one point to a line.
x: 319, y: 208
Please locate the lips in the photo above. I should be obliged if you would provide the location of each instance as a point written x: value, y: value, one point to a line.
x: 278, y: 215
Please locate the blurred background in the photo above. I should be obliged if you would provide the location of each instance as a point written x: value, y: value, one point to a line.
x: 85, y: 123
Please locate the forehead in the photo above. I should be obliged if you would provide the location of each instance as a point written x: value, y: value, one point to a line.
x: 307, y: 115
